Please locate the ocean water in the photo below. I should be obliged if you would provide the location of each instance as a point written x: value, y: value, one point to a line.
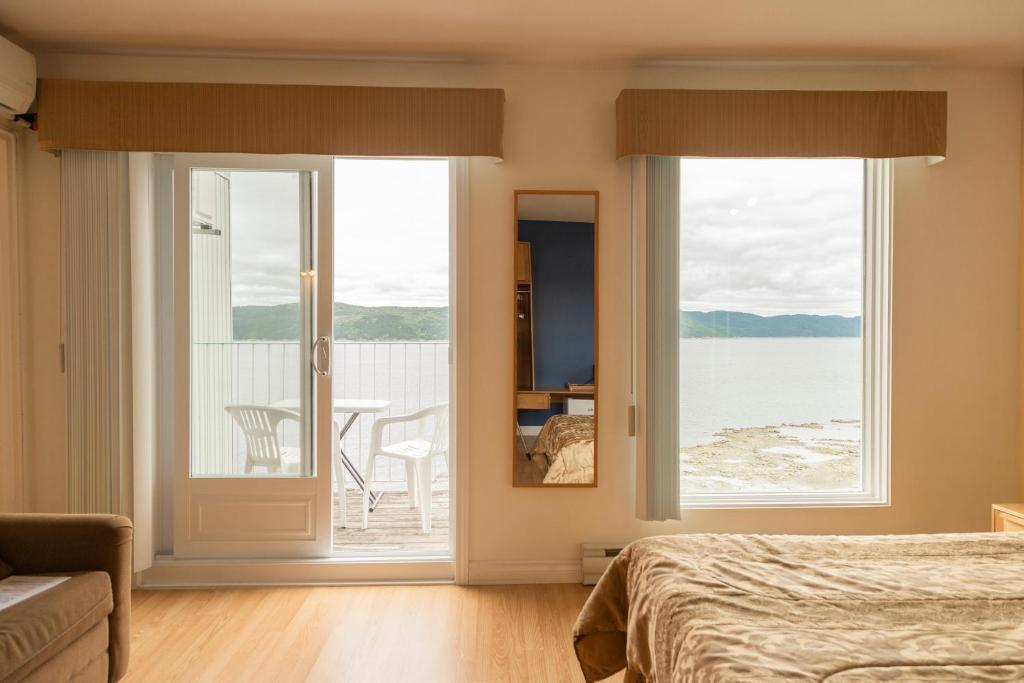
x: 758, y: 382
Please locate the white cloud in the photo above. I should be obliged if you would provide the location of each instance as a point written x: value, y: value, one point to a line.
x: 391, y: 232
x: 764, y: 236
x: 390, y: 241
x: 771, y: 236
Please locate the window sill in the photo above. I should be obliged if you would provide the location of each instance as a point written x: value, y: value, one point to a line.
x: 783, y: 500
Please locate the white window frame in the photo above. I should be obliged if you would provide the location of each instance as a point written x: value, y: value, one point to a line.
x: 876, y: 334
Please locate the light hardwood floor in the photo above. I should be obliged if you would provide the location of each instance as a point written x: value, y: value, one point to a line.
x: 353, y: 634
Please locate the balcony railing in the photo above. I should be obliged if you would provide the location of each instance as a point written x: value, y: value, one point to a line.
x: 411, y: 374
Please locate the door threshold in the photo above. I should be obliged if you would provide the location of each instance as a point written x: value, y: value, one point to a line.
x: 170, y: 572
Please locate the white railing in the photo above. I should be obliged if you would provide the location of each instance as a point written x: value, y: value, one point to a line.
x: 411, y: 374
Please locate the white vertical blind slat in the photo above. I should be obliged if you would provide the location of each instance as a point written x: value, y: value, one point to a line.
x: 98, y: 330
x: 662, y: 339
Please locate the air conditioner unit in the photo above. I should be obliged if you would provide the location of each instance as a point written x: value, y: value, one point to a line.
x: 17, y: 79
x: 595, y: 559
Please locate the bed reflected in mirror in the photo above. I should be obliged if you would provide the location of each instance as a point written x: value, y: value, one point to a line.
x: 554, y: 421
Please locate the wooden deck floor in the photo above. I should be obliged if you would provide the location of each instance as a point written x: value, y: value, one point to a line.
x: 394, y: 526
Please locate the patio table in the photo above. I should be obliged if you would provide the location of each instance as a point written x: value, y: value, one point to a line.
x: 353, y: 407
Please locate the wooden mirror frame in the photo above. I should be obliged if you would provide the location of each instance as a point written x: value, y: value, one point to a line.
x: 515, y: 283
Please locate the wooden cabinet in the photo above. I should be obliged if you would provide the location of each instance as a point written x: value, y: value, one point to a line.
x: 1008, y: 517
x: 542, y: 399
x: 533, y: 400
x: 524, y: 267
x: 524, y: 317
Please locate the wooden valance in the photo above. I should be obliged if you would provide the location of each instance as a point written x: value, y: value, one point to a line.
x: 781, y: 123
x: 270, y: 119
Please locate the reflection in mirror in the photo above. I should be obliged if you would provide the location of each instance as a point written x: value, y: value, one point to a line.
x: 555, y: 330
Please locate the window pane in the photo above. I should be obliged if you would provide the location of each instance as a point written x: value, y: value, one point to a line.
x: 391, y: 322
x: 247, y: 377
x: 771, y: 282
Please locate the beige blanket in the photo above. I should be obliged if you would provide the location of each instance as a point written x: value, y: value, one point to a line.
x: 817, y: 608
x: 567, y: 441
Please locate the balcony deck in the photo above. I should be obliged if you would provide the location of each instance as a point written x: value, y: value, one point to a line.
x: 394, y: 526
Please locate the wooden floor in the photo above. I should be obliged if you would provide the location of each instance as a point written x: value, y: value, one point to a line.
x: 529, y: 470
x: 393, y: 525
x: 354, y: 634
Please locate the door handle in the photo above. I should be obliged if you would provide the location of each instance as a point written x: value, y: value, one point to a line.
x: 322, y: 356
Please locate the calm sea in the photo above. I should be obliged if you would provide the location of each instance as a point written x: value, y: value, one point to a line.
x: 756, y: 382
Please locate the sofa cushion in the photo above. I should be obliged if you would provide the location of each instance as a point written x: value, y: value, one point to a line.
x: 35, y: 630
x: 83, y: 661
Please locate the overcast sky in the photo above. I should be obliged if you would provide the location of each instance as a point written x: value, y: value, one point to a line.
x: 390, y: 243
x: 391, y: 232
x: 264, y: 238
x: 771, y: 236
x: 766, y: 236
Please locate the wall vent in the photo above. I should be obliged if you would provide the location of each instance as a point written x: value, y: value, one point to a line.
x: 595, y: 558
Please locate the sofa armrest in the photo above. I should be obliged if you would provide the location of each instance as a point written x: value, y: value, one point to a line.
x: 41, y: 543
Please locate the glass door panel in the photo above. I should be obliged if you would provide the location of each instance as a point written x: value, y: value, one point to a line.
x: 250, y: 323
x: 252, y: 411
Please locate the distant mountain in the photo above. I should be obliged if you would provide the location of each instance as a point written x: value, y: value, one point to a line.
x: 281, y: 322
x: 420, y: 323
x: 734, y: 324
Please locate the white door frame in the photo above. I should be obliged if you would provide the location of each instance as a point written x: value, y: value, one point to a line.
x: 232, y: 502
x: 169, y: 571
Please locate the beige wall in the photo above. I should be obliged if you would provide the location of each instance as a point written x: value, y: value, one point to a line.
x: 11, y: 494
x: 45, y: 464
x: 955, y: 356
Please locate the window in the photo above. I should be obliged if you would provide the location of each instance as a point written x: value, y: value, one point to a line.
x: 783, y: 360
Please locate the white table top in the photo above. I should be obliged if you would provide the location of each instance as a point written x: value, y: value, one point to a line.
x: 345, y: 405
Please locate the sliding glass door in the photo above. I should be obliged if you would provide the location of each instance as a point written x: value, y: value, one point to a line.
x: 253, y: 405
x: 312, y: 357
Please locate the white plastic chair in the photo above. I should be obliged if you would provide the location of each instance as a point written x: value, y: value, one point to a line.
x: 428, y: 441
x: 259, y: 425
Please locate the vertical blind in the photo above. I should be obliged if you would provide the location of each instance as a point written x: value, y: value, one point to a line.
x: 97, y: 330
x: 661, y: 342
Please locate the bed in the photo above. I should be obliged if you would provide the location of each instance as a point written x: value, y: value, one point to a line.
x: 824, y: 608
x: 566, y: 442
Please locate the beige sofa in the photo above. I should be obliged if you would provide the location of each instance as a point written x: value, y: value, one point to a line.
x: 78, y: 630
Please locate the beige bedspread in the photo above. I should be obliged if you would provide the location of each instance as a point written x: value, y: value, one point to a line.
x: 824, y: 608
x: 567, y: 441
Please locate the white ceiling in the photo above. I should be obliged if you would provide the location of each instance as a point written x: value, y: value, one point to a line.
x: 987, y: 32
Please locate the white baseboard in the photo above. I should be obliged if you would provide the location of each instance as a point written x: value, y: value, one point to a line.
x: 171, y: 573
x: 167, y: 572
x: 485, y: 572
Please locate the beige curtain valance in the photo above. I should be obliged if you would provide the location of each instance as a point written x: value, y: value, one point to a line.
x: 269, y: 119
x: 781, y: 123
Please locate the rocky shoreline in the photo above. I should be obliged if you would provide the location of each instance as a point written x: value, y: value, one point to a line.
x: 789, y: 457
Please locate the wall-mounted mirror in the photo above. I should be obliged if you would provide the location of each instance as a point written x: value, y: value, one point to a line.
x: 554, y: 421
